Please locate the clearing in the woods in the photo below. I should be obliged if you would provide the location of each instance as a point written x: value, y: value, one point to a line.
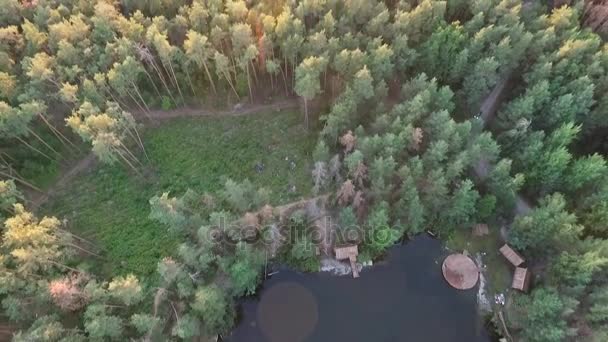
x: 110, y: 206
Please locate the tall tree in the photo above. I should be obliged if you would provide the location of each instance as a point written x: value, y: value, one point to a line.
x: 308, y: 84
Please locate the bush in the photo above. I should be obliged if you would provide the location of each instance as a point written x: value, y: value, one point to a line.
x: 299, y: 250
x: 167, y: 103
x: 302, y: 255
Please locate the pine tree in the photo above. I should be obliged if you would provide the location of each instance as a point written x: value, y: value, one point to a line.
x: 214, y: 309
x: 546, y: 228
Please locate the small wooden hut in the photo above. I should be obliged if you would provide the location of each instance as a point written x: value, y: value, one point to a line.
x: 350, y: 253
x: 480, y: 229
x: 511, y: 255
x: 521, y: 279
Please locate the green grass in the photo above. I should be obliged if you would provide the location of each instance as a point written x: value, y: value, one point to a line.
x: 111, y: 206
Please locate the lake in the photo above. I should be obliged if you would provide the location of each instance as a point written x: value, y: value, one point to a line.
x: 403, y: 298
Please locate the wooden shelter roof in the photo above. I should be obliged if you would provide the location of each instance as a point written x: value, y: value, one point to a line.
x: 460, y: 271
x: 511, y: 255
x: 345, y: 252
x: 521, y: 279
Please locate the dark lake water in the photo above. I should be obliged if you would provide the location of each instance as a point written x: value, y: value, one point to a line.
x: 404, y: 298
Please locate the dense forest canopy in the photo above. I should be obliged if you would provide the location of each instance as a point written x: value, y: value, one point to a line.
x: 395, y: 91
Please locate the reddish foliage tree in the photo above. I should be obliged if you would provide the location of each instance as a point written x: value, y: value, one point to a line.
x: 346, y: 192
x: 417, y: 136
x: 360, y: 174
x: 348, y: 140
x: 67, y: 292
x: 360, y: 204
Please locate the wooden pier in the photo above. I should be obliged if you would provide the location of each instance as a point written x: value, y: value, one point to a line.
x: 350, y: 253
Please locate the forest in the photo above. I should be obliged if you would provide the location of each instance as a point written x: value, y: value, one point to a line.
x: 399, y: 116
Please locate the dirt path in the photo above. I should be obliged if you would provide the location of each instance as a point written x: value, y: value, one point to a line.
x: 81, y: 165
x: 238, y: 110
x: 488, y: 110
x: 490, y: 105
x: 89, y: 161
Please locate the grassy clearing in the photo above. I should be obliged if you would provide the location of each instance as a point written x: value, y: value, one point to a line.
x: 498, y: 270
x: 111, y: 206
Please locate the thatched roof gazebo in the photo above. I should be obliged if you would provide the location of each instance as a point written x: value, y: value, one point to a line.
x: 460, y: 271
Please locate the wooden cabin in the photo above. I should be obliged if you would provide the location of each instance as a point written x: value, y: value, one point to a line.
x: 350, y: 253
x: 511, y: 255
x: 521, y: 279
x: 481, y: 229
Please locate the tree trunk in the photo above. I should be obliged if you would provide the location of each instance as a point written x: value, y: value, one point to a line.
x: 305, y: 112
x: 58, y: 133
x: 137, y: 140
x: 284, y: 82
x: 77, y: 237
x: 255, y: 74
x: 271, y: 81
x: 176, y: 82
x: 82, y: 249
x: 293, y: 73
x: 35, y: 149
x: 285, y: 74
x: 164, y: 82
x: 210, y: 79
x: 130, y: 154
x: 127, y: 162
x: 249, y: 83
x: 234, y: 67
x: 55, y: 83
x: 162, y: 63
x: 117, y: 100
x: 152, y: 82
x: 141, y: 144
x: 64, y: 266
x: 190, y: 82
x: 22, y: 181
x: 231, y: 86
x: 43, y: 142
x: 138, y: 104
x: 141, y: 98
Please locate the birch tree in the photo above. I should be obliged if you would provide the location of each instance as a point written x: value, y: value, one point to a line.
x: 105, y: 132
x: 199, y: 51
x: 308, y: 84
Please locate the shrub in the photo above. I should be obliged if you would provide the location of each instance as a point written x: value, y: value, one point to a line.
x: 167, y: 103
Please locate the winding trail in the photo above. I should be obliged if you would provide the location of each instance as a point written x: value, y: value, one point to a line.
x: 89, y: 161
x: 80, y: 166
x: 488, y: 110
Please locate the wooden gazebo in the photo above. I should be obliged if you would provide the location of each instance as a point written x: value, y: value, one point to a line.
x: 350, y: 253
x: 511, y: 255
x: 460, y: 271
